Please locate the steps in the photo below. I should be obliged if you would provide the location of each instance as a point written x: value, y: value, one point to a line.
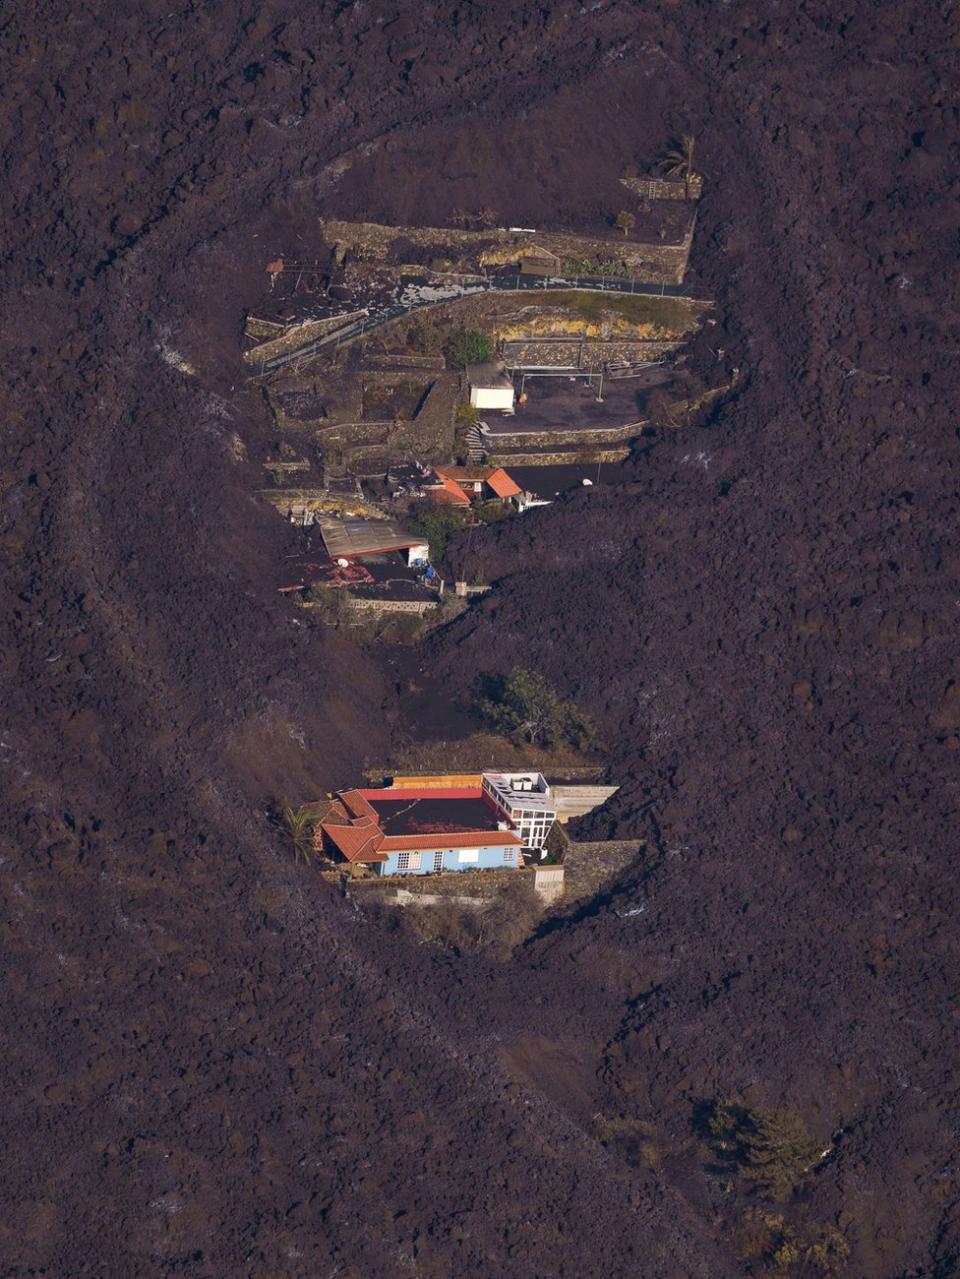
x: 476, y: 444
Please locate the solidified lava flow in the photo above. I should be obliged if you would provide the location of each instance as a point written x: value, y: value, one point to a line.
x: 215, y: 1065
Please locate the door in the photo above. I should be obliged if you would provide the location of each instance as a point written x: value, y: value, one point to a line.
x: 438, y: 861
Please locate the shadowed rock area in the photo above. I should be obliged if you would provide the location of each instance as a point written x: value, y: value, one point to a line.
x: 214, y: 1065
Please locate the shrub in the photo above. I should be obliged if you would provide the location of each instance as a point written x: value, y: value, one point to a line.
x: 626, y: 221
x: 467, y: 347
x: 524, y: 705
x: 436, y: 523
x: 817, y: 1252
x: 773, y: 1149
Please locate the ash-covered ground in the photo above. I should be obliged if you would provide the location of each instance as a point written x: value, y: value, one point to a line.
x: 213, y: 1065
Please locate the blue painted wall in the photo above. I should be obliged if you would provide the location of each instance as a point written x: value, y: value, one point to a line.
x: 487, y: 859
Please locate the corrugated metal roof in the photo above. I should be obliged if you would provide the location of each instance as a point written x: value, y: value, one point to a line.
x: 346, y: 539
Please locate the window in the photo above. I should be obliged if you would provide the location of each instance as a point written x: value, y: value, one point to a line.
x: 403, y: 861
x: 438, y: 861
x: 508, y: 854
x: 415, y: 861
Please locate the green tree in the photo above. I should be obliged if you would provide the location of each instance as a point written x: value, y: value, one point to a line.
x: 626, y: 221
x: 524, y: 705
x: 436, y: 524
x: 467, y: 346
x: 771, y: 1148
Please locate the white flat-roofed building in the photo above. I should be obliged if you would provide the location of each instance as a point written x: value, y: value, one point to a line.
x: 526, y: 803
x: 491, y: 387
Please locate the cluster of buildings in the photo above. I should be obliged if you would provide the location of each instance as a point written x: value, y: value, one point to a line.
x: 419, y: 826
x: 463, y: 485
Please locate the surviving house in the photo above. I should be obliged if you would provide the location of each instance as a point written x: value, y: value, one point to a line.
x: 417, y: 830
x: 485, y: 483
x: 447, y: 491
x: 491, y: 387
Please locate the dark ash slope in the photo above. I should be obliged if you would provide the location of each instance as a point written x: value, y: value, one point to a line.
x: 213, y: 1066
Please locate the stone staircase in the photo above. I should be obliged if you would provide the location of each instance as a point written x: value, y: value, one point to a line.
x: 476, y: 444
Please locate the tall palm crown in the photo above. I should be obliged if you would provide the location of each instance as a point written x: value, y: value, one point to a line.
x: 677, y: 160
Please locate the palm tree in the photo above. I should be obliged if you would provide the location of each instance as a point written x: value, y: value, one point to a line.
x: 677, y: 161
x: 298, y: 828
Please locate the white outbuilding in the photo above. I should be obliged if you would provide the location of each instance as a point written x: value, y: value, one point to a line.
x: 491, y: 387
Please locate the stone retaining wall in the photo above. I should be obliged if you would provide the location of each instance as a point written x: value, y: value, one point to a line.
x: 482, y: 886
x: 546, y: 458
x: 295, y: 337
x: 473, y: 889
x: 585, y: 353
x: 297, y: 503
x: 591, y: 867
x: 586, y: 436
x: 430, y: 435
x: 419, y: 607
x: 665, y: 188
x: 372, y: 242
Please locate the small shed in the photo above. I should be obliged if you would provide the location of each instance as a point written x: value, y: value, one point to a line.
x: 535, y: 260
x: 491, y: 387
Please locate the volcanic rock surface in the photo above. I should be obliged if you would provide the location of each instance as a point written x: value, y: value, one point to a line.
x: 213, y: 1065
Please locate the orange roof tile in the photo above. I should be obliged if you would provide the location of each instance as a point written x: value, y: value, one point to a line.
x: 356, y: 804
x: 450, y: 839
x: 359, y: 842
x: 502, y: 484
x: 450, y: 492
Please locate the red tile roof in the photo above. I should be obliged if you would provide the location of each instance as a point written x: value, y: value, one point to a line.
x: 361, y: 841
x: 502, y: 484
x: 355, y: 802
x: 450, y: 839
x: 450, y: 492
x: 351, y: 824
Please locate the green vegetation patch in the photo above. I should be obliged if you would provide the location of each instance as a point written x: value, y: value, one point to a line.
x: 524, y: 706
x: 674, y: 314
x: 772, y: 1149
x: 468, y: 347
x: 436, y: 524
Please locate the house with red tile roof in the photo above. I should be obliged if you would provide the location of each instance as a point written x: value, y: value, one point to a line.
x: 413, y: 830
x: 481, y: 482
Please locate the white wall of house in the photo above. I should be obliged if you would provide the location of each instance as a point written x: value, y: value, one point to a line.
x: 418, y: 553
x: 491, y: 397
